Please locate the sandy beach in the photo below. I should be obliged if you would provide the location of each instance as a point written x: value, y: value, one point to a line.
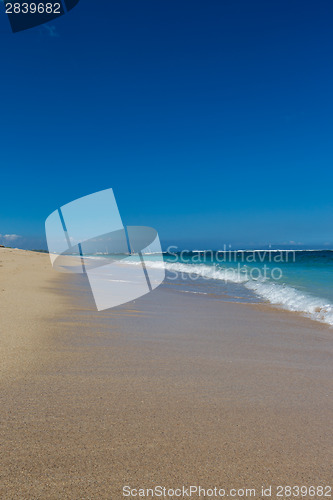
x: 173, y: 389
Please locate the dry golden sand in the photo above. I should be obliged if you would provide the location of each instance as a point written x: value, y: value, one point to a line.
x: 174, y: 389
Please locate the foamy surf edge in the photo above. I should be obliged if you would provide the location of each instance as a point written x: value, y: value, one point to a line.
x: 291, y: 299
x: 280, y: 295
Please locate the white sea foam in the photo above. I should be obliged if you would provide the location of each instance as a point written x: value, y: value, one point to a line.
x: 282, y: 295
x: 278, y: 294
x: 292, y: 299
x: 208, y: 272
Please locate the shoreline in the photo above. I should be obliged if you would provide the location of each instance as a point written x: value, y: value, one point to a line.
x: 170, y: 389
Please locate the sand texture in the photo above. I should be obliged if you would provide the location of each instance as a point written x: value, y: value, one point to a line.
x: 173, y: 389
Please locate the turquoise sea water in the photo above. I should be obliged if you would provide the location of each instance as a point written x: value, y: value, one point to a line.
x: 298, y: 281
x: 295, y: 280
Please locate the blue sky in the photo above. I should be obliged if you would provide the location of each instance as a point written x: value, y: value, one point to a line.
x: 212, y: 121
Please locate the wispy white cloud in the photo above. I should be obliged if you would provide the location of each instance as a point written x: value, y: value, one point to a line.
x: 9, y: 237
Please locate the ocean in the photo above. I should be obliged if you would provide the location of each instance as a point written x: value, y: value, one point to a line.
x: 295, y: 280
